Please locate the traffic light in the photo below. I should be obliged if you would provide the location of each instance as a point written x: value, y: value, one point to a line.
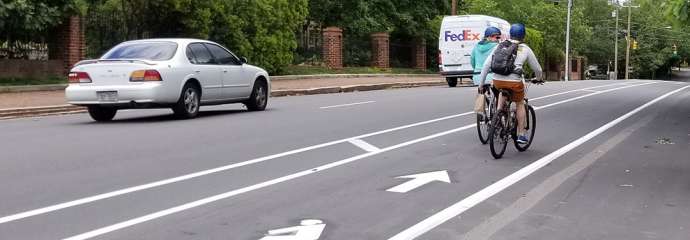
x: 634, y: 44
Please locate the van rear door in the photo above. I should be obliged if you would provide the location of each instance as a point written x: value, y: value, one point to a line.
x: 456, y: 42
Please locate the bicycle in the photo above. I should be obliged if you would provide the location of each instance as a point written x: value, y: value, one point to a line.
x: 484, y: 119
x: 504, y: 124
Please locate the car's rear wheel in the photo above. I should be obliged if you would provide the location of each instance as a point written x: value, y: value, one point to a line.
x: 188, y: 104
x: 102, y: 114
x: 259, y: 98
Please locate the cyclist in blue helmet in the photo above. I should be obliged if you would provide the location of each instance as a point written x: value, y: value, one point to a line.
x: 513, y: 80
x: 492, y: 35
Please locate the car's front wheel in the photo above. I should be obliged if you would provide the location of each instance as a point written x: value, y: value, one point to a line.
x: 102, y: 114
x: 188, y: 104
x: 259, y: 98
x: 452, y: 81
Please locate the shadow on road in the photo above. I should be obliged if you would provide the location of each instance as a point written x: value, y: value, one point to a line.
x: 171, y: 118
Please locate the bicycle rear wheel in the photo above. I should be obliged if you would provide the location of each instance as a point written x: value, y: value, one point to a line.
x: 483, y: 122
x: 530, y: 127
x: 499, y: 135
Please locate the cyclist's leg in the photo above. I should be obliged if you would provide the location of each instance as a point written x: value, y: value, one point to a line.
x: 521, y: 117
x: 498, y: 84
x: 519, y: 99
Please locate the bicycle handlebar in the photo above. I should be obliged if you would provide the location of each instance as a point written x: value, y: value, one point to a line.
x: 536, y: 81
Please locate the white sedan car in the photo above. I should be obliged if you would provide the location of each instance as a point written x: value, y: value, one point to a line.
x: 181, y: 74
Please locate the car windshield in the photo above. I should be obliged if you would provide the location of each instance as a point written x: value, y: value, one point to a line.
x: 154, y: 51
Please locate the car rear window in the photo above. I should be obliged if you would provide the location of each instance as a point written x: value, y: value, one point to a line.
x: 154, y: 51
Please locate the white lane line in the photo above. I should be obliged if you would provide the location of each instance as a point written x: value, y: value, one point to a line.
x: 590, y: 94
x: 478, y: 197
x: 347, y: 105
x: 128, y: 190
x: 576, y: 90
x: 222, y: 196
x: 588, y: 90
x: 364, y: 145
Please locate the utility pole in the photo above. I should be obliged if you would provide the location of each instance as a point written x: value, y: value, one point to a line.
x: 615, y: 61
x: 629, y: 38
x: 454, y: 8
x: 567, y: 43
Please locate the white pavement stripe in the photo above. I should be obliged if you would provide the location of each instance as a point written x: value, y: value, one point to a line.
x: 507, y: 215
x: 591, y: 94
x: 364, y: 145
x: 222, y: 196
x: 576, y: 90
x: 493, y: 189
x: 588, y: 90
x: 346, y: 105
x: 107, y: 195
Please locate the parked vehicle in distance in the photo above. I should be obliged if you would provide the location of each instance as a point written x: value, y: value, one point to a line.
x: 181, y: 74
x: 458, y: 36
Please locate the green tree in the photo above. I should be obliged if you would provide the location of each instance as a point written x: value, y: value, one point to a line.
x: 678, y: 10
x: 261, y: 30
x: 32, y: 19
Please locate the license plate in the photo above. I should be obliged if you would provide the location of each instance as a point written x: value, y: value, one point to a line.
x: 107, y: 96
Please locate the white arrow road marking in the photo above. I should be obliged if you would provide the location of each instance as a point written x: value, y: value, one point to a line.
x: 309, y: 229
x: 107, y: 195
x: 261, y: 185
x: 364, y: 145
x: 419, y: 180
x: 493, y: 189
x: 347, y: 105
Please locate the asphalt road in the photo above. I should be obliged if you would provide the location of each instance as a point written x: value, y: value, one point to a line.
x: 609, y: 161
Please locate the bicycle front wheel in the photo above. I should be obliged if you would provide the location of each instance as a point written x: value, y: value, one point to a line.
x: 483, y: 121
x: 499, y: 135
x: 530, y: 128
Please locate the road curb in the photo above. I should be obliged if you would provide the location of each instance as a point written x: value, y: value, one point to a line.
x: 10, y: 113
x: 328, y: 76
x: 32, y: 88
x: 56, y: 87
x: 355, y: 88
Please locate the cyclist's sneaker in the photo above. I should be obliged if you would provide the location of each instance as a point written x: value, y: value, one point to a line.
x: 522, y: 139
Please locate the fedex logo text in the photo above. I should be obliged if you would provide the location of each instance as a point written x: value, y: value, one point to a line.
x: 466, y: 35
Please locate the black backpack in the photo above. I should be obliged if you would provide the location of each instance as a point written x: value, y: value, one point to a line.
x: 503, y: 61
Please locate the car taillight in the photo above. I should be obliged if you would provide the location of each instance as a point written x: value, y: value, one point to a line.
x: 440, y: 58
x: 79, y: 77
x: 145, y: 75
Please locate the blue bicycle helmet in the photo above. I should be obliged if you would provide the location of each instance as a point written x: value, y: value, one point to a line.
x: 490, y: 31
x: 517, y: 31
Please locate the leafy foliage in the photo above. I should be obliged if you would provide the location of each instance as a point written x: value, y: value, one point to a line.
x: 24, y: 19
x: 261, y: 30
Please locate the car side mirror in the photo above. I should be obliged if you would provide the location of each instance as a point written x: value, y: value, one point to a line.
x: 244, y: 60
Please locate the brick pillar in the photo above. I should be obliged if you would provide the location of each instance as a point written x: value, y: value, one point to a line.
x: 71, y: 43
x: 420, y: 54
x: 333, y: 47
x: 379, y: 50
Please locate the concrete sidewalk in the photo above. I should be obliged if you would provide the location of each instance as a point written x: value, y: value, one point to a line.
x: 25, y: 101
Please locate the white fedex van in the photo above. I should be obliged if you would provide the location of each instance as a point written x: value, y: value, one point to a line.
x: 459, y: 35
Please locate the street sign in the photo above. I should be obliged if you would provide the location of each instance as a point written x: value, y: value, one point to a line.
x: 419, y: 180
x: 309, y: 229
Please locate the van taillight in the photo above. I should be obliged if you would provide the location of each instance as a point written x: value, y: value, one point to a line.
x: 79, y: 77
x: 440, y: 58
x: 145, y: 75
